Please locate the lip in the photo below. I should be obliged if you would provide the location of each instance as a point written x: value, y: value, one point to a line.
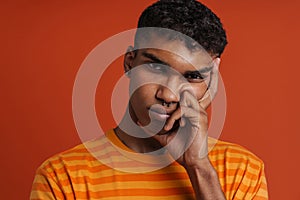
x: 158, y: 115
x: 161, y: 110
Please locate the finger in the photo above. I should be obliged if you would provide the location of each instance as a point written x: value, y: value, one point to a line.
x: 190, y: 108
x: 213, y: 85
x: 176, y: 115
x: 206, y: 100
x: 162, y: 139
x: 182, y: 122
x: 188, y: 99
x: 194, y: 118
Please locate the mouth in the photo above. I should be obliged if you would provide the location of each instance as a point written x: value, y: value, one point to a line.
x: 161, y: 109
x: 158, y: 115
x: 158, y: 112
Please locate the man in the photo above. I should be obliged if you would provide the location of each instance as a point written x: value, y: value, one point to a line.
x: 161, y: 149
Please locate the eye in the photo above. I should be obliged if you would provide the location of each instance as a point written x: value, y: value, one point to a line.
x: 156, y: 67
x: 196, y: 76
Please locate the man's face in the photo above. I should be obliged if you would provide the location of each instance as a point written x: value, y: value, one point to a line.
x: 161, y: 76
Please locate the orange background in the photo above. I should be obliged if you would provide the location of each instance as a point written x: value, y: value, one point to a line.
x: 43, y: 44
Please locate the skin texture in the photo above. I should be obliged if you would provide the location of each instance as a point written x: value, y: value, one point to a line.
x: 180, y: 97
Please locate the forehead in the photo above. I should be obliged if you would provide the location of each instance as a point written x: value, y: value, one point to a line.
x: 174, y: 53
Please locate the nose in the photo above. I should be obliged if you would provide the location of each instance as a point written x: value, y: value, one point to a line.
x: 169, y: 93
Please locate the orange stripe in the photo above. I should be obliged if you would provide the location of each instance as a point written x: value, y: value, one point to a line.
x: 123, y: 178
x: 237, y: 173
x: 228, y: 160
x: 264, y: 186
x: 260, y: 198
x: 133, y: 192
x: 99, y: 168
x: 41, y: 187
x: 96, y: 169
x: 149, y: 177
x: 225, y: 153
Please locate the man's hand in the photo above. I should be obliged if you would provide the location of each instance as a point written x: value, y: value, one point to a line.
x: 188, y: 143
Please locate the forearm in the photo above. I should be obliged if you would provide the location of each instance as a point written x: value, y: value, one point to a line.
x: 205, y: 180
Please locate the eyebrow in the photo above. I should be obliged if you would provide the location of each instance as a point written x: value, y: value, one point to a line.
x: 157, y: 60
x: 203, y: 70
x: 154, y: 58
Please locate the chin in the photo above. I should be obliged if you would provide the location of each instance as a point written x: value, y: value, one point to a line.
x: 173, y: 130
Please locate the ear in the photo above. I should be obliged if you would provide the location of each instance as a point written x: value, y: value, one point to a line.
x: 128, y: 60
x: 216, y: 63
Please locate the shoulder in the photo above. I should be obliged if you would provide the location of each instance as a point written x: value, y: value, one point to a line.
x: 232, y: 153
x: 241, y: 173
x: 235, y: 163
x: 74, y: 159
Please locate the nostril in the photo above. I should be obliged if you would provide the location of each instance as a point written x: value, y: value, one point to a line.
x: 166, y: 95
x: 168, y: 104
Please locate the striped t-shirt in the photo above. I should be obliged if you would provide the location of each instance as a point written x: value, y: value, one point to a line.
x: 106, y: 169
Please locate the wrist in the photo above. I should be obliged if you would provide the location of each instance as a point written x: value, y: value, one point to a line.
x: 205, y: 180
x: 197, y: 163
x: 203, y: 167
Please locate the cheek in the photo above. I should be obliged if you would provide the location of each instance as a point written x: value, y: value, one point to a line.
x: 200, y: 90
x: 140, y: 101
x: 143, y: 96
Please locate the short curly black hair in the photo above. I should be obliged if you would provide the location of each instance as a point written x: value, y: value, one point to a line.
x: 190, y: 18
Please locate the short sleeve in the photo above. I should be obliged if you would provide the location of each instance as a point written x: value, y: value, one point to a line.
x: 253, y: 184
x: 45, y: 187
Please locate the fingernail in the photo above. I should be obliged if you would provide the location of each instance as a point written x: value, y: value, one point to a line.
x: 181, y: 123
x: 166, y: 127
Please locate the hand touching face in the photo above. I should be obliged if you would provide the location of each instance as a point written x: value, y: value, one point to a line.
x: 178, y: 89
